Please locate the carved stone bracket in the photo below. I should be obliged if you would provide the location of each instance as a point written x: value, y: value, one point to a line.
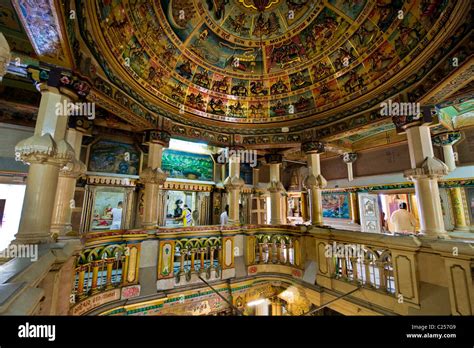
x: 312, y: 181
x: 312, y: 147
x: 43, y: 149
x: 153, y: 176
x: 349, y: 157
x: 430, y: 168
x: 276, y: 186
x: 73, y: 169
x: 233, y: 183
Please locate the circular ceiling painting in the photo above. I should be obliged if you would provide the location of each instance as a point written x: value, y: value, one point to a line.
x: 261, y: 61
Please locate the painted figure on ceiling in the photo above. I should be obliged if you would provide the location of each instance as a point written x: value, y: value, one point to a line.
x: 220, y: 85
x: 279, y: 87
x: 257, y: 88
x: 239, y: 90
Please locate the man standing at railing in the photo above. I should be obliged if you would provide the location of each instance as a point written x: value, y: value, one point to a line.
x: 402, y: 220
x: 225, y: 216
x: 116, y: 217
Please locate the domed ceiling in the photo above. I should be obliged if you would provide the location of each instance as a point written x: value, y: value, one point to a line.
x: 261, y: 61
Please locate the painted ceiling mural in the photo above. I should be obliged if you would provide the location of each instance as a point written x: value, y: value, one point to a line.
x: 249, y: 61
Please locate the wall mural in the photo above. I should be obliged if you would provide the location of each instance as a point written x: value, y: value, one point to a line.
x: 186, y: 165
x: 336, y: 205
x: 212, y: 53
x: 114, y: 157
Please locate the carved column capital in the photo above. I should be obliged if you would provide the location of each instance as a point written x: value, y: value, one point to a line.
x: 349, y: 157
x: 444, y: 139
x: 276, y: 186
x: 156, y: 136
x: 402, y: 122
x: 65, y: 81
x: 312, y: 146
x: 273, y: 158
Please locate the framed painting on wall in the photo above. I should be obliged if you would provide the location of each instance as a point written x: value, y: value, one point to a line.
x: 114, y: 157
x: 186, y: 165
x: 336, y: 205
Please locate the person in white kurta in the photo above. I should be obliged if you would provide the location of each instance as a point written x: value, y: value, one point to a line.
x: 116, y: 217
x: 225, y: 216
x: 402, y: 220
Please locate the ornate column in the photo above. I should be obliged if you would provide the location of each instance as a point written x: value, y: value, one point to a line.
x: 233, y: 183
x: 153, y: 177
x: 460, y: 222
x: 425, y: 172
x: 446, y: 141
x: 314, y: 182
x: 46, y: 152
x: 276, y: 189
x: 348, y: 159
x: 68, y: 175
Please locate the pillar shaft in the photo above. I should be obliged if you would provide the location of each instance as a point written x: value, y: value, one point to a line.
x: 276, y: 189
x: 314, y: 182
x: 431, y: 214
x: 419, y: 145
x: 425, y: 171
x: 460, y: 222
x: 234, y: 184
x: 316, y: 206
x: 153, y: 178
x: 46, y: 152
x: 64, y: 199
x: 448, y: 154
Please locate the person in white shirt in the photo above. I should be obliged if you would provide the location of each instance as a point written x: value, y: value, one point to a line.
x: 225, y: 216
x: 116, y: 217
x: 402, y: 220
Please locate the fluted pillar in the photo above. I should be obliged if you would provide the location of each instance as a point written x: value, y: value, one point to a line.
x: 68, y: 175
x: 46, y: 152
x: 233, y: 183
x: 425, y: 172
x: 314, y: 182
x: 446, y: 141
x: 153, y: 177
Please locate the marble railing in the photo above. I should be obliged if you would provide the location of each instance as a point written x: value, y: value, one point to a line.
x: 388, y: 273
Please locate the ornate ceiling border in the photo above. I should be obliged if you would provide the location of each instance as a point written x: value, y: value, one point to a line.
x: 186, y: 128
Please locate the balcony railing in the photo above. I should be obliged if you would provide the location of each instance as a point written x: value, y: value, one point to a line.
x: 373, y: 269
x: 99, y: 269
